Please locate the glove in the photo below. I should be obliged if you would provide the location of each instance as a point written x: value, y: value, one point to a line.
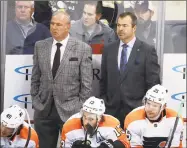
x: 106, y: 144
x: 80, y: 144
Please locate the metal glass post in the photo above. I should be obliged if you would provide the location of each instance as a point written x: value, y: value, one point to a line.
x: 3, y: 47
x: 160, y: 34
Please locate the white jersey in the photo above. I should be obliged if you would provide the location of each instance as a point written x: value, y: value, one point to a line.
x: 108, y: 129
x: 19, y: 141
x: 143, y: 133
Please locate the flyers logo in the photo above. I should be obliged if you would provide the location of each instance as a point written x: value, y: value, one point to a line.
x: 180, y: 69
x: 22, y: 70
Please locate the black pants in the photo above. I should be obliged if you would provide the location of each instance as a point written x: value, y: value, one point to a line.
x: 48, y: 127
x: 122, y: 113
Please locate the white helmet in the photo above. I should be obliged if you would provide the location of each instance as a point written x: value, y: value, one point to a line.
x: 13, y: 116
x: 158, y: 94
x: 94, y: 105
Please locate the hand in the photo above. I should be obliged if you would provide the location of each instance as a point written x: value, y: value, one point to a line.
x: 80, y: 144
x: 106, y: 144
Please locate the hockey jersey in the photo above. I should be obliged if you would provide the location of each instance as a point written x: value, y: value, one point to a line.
x: 19, y: 140
x: 108, y: 129
x: 143, y: 133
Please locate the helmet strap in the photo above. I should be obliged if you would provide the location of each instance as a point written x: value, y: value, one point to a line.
x: 15, y: 132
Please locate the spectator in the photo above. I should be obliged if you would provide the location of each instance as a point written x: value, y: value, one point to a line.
x: 151, y: 125
x: 61, y: 79
x: 129, y: 68
x: 90, y: 30
x: 23, y: 31
x: 146, y: 28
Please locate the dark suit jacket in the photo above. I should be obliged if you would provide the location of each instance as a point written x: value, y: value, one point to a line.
x: 142, y: 72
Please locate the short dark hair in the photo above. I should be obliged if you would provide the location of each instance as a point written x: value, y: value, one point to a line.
x: 97, y: 4
x: 132, y: 16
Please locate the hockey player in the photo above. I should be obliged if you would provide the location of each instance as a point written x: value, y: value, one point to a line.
x: 92, y: 128
x: 150, y: 126
x: 14, y: 131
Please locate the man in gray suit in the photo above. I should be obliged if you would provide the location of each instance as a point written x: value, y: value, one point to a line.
x: 129, y: 68
x: 61, y: 79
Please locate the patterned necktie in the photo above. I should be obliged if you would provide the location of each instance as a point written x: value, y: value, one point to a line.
x: 56, y: 61
x: 123, y: 61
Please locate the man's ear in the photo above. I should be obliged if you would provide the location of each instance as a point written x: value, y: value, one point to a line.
x: 98, y: 16
x: 152, y: 12
x: 32, y: 11
x: 134, y: 28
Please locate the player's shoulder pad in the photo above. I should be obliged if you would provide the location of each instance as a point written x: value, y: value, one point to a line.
x: 73, y: 123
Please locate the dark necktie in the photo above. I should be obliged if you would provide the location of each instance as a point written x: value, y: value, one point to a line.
x: 56, y: 61
x: 123, y: 61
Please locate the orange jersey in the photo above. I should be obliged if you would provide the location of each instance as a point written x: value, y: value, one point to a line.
x: 143, y: 133
x: 109, y: 129
x: 20, y: 140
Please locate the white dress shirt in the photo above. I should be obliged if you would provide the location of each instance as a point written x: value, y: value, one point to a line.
x: 62, y: 49
x: 129, y: 49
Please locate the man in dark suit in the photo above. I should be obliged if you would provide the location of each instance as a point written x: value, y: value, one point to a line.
x: 61, y: 79
x: 129, y: 68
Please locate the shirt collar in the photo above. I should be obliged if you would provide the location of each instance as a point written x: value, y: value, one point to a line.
x: 130, y: 44
x: 63, y: 42
x: 29, y: 24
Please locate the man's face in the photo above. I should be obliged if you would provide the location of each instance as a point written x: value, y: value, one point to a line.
x: 59, y: 27
x: 5, y: 131
x: 152, y: 109
x: 144, y: 15
x: 125, y: 30
x: 89, y: 118
x: 89, y: 15
x: 144, y: 18
x: 23, y: 10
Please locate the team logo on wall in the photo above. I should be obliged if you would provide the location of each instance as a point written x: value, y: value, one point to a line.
x: 180, y: 69
x: 23, y: 98
x: 24, y: 70
x: 179, y: 96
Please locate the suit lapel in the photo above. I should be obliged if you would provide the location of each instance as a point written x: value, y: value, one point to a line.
x: 69, y: 47
x: 132, y: 58
x: 48, y: 44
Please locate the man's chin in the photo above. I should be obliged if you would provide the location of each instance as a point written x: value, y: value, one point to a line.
x: 85, y: 24
x: 23, y: 20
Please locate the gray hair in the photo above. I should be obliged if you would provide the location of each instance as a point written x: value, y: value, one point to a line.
x: 63, y: 13
x: 32, y: 3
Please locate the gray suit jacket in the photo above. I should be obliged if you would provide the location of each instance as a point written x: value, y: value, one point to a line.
x: 127, y: 90
x: 72, y: 84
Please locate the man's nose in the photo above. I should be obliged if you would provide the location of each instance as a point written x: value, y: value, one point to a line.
x: 22, y: 9
x: 86, y: 122
x: 120, y: 28
x: 141, y: 16
x: 85, y: 16
x: 54, y: 26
